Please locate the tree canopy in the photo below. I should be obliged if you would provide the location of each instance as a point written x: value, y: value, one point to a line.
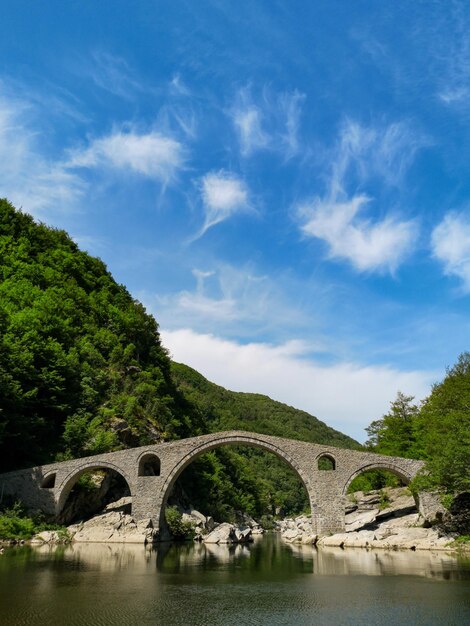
x: 82, y: 368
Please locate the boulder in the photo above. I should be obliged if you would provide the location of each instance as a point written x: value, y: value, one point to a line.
x: 292, y: 534
x: 223, y: 533
x: 114, y: 527
x: 47, y: 536
x: 243, y: 535
x: 359, y: 519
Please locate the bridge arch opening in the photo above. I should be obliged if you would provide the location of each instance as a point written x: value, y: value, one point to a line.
x: 48, y: 481
x: 378, y: 492
x: 380, y: 472
x: 89, y: 489
x: 149, y: 465
x: 243, y: 459
x: 326, y: 462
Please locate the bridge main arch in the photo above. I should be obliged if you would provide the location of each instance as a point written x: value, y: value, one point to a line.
x: 254, y: 440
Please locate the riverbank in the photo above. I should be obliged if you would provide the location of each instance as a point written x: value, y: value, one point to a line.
x: 384, y: 519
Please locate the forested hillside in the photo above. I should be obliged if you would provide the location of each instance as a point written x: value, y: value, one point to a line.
x: 82, y: 368
x: 83, y: 371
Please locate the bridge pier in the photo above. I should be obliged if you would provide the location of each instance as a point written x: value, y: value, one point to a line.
x: 328, y: 514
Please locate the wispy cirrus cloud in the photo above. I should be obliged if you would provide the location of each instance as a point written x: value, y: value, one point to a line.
x: 151, y: 154
x: 223, y: 195
x: 338, y: 218
x: 452, y: 56
x: 229, y: 299
x: 383, y: 150
x: 450, y: 242
x: 269, y: 122
x: 28, y: 177
x: 248, y: 122
x: 45, y: 182
x: 112, y: 73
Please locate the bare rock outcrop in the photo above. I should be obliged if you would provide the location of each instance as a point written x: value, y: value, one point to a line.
x: 114, y: 527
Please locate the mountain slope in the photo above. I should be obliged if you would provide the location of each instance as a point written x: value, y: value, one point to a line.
x: 229, y: 410
x: 82, y: 368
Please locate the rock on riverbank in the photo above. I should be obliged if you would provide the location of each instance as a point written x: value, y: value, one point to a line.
x: 116, y: 525
x: 380, y: 519
x: 209, y: 531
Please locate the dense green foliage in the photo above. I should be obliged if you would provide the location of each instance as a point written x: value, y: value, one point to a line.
x: 78, y: 356
x: 437, y: 431
x: 179, y: 529
x: 16, y: 524
x: 443, y: 429
x: 374, y: 479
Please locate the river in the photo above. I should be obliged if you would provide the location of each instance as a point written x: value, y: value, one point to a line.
x: 268, y: 582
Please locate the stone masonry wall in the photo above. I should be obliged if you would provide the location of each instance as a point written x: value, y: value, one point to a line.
x: 37, y: 489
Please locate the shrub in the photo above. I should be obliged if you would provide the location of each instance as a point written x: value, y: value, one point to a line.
x: 180, y: 530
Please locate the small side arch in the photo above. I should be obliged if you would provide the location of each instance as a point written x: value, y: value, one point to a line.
x: 48, y: 482
x: 326, y: 461
x: 149, y: 465
x: 391, y: 467
x: 69, y: 481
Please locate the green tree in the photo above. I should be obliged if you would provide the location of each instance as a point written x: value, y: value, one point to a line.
x: 443, y: 429
x: 394, y: 434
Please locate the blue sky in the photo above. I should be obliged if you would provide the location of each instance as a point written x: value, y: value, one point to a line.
x: 285, y: 186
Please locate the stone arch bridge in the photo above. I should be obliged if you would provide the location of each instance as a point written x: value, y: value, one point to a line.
x: 151, y: 471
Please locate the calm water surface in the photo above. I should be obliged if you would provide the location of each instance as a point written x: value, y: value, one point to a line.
x: 268, y: 582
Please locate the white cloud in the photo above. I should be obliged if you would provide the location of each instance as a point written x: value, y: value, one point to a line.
x: 368, y: 246
x: 152, y: 154
x: 248, y: 123
x: 223, y: 195
x: 113, y: 74
x: 269, y: 123
x: 290, y: 105
x: 230, y: 300
x: 364, y: 153
x: 451, y: 65
x: 451, y: 245
x: 43, y: 184
x: 347, y: 396
x: 386, y: 151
